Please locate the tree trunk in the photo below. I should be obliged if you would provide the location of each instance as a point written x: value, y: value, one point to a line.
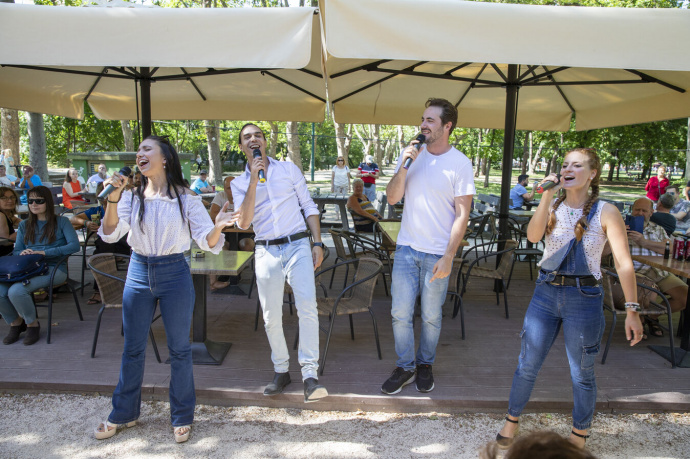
x: 215, y: 174
x: 526, y: 152
x: 294, y: 153
x: 366, y: 143
x: 37, y: 146
x: 343, y: 140
x: 128, y: 135
x: 478, y: 158
x: 378, y: 151
x: 273, y: 142
x: 10, y: 134
x: 487, y: 173
x: 401, y: 138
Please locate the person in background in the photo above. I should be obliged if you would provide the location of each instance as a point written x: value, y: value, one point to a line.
x: 100, y: 175
x: 90, y: 220
x: 8, y: 220
x: 245, y: 244
x: 137, y: 178
x: 686, y: 191
x: 680, y: 209
x: 368, y: 171
x: 200, y: 185
x: 6, y: 179
x: 340, y: 181
x: 71, y: 189
x: 42, y: 233
x: 519, y: 193
x: 662, y: 216
x: 656, y: 186
x: 28, y: 181
x: 363, y: 212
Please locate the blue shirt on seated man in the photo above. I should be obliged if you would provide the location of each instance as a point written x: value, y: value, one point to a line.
x: 519, y: 193
x: 201, y: 185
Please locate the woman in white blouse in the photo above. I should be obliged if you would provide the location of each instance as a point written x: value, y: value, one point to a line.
x: 161, y: 216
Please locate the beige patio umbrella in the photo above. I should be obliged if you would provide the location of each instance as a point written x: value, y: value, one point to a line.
x: 506, y: 66
x: 162, y: 63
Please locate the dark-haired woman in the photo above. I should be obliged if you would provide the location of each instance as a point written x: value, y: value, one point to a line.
x: 42, y: 233
x: 161, y: 217
x: 568, y: 293
x: 8, y: 220
x: 71, y: 189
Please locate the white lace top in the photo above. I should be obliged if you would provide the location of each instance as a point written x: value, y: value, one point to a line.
x: 165, y: 233
x: 594, y: 238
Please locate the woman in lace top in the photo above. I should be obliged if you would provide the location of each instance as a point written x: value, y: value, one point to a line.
x: 161, y: 216
x: 568, y: 292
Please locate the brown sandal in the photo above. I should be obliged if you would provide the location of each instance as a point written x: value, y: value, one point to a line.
x: 95, y: 298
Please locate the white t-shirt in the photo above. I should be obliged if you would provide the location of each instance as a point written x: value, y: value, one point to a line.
x: 340, y: 176
x: 220, y: 199
x: 432, y: 184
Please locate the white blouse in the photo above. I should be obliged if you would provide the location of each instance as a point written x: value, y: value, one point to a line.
x: 594, y: 238
x: 165, y: 233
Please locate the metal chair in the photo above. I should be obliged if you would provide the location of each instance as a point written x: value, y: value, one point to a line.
x: 111, y: 285
x: 652, y: 306
x: 499, y: 273
x: 69, y: 283
x: 356, y: 297
x: 369, y: 247
x: 530, y: 252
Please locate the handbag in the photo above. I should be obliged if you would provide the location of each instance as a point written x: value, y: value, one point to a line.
x: 21, y: 268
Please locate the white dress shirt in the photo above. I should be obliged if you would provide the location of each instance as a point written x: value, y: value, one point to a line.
x: 278, y: 200
x: 165, y: 233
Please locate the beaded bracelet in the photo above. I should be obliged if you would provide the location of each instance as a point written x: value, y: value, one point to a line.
x: 632, y: 305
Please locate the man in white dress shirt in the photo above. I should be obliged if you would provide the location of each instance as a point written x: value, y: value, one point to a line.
x: 438, y: 189
x: 282, y: 251
x: 99, y: 176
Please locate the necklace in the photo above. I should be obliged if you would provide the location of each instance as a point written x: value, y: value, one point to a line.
x: 572, y: 209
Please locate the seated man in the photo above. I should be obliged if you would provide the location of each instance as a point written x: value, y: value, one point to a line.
x: 99, y: 176
x: 86, y: 220
x: 28, y: 181
x: 201, y: 185
x: 680, y: 209
x: 6, y: 179
x: 662, y: 216
x: 246, y: 243
x: 519, y: 193
x: 651, y: 242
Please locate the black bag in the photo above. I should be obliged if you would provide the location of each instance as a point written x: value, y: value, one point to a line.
x: 21, y: 268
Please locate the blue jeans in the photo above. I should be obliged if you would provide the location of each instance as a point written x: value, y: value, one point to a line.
x: 578, y: 310
x: 274, y: 264
x: 370, y: 192
x: 168, y: 281
x: 15, y: 299
x: 411, y: 273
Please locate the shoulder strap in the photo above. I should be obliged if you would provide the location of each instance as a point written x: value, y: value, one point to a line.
x: 593, y: 210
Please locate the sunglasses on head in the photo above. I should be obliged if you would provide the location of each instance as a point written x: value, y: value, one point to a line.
x: 36, y: 200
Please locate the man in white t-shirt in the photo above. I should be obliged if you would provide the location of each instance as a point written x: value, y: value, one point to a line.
x: 99, y: 176
x: 438, y: 188
x: 6, y: 179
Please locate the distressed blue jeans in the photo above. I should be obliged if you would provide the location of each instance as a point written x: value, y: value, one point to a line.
x: 411, y: 273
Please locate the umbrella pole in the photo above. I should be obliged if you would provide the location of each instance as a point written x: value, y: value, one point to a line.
x: 508, y: 148
x: 145, y: 85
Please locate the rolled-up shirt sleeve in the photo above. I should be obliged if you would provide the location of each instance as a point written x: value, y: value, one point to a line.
x: 238, y: 194
x: 124, y: 215
x: 306, y: 203
x: 200, y: 224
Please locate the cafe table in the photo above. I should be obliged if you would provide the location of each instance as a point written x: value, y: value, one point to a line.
x: 336, y: 199
x: 680, y: 269
x: 392, y: 229
x: 521, y: 213
x: 226, y: 263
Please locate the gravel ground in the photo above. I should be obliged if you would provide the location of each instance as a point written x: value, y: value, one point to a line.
x: 60, y: 426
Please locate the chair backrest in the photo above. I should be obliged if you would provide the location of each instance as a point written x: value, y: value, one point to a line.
x: 337, y: 237
x: 383, y: 201
x: 56, y: 191
x: 363, y: 293
x: 507, y: 258
x: 608, y: 292
x: 110, y: 280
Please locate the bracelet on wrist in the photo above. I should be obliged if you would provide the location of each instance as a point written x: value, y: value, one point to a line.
x: 633, y: 306
x: 113, y: 202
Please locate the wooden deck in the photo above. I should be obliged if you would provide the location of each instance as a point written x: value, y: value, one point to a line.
x: 471, y: 375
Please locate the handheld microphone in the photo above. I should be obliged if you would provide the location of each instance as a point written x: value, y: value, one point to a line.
x: 548, y: 185
x: 262, y: 174
x: 408, y: 161
x: 125, y: 171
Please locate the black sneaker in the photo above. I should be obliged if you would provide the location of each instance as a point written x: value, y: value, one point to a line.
x: 398, y: 379
x: 425, y: 378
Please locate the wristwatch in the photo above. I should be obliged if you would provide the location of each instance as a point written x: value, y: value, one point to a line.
x: 318, y: 244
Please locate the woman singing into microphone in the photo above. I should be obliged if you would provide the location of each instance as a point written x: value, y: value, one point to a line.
x: 568, y: 293
x: 161, y: 217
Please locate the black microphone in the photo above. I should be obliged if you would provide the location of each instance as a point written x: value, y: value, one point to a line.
x: 125, y: 171
x: 262, y: 174
x: 408, y: 161
x: 548, y: 185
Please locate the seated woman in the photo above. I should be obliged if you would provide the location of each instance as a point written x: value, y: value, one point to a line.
x: 8, y: 209
x: 71, y: 189
x: 42, y: 233
x: 362, y: 210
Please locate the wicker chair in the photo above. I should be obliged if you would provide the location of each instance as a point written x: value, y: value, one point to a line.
x: 656, y: 304
x: 500, y: 273
x: 356, y: 297
x: 111, y: 284
x: 367, y: 247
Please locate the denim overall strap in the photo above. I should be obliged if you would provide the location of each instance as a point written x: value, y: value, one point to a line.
x: 570, y: 259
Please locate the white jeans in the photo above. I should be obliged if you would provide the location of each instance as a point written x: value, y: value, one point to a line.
x: 273, y: 265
